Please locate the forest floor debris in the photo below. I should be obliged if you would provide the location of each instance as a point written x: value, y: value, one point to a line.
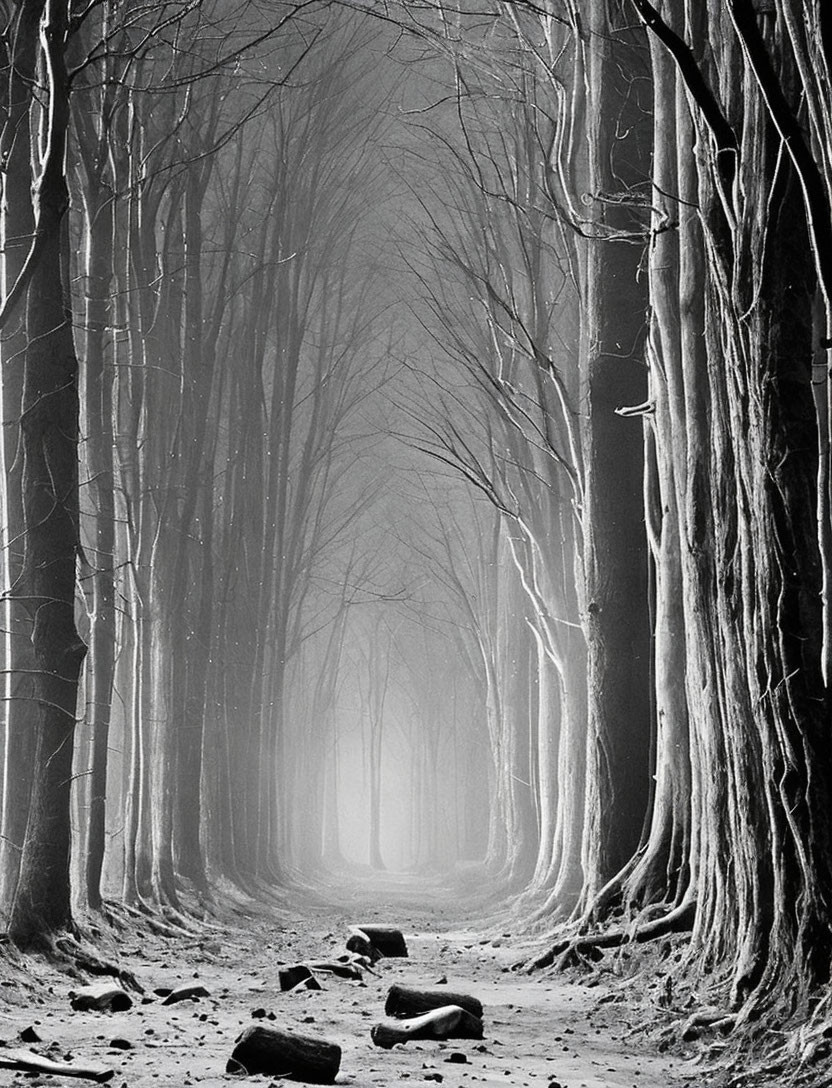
x: 540, y: 1030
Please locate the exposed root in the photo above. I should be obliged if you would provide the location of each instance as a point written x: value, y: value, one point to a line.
x: 710, y: 1019
x: 80, y: 962
x: 572, y: 950
x: 162, y: 927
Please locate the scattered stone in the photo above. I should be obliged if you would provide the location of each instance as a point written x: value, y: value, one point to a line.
x: 100, y: 997
x: 457, y: 1058
x: 283, y: 1054
x: 120, y: 1044
x: 29, y: 1035
x: 258, y: 1014
x: 434, y: 1076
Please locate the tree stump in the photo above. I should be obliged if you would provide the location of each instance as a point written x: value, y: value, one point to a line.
x: 100, y: 997
x: 388, y: 940
x: 447, y: 1022
x: 404, y: 1001
x: 277, y: 1053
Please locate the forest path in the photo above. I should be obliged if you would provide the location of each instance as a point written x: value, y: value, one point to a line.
x: 540, y: 1031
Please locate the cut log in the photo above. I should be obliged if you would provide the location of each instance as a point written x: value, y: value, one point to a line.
x: 29, y: 1062
x: 448, y: 1022
x: 403, y: 1001
x: 289, y: 977
x: 101, y: 997
x: 283, y: 1054
x: 388, y: 940
x: 183, y: 993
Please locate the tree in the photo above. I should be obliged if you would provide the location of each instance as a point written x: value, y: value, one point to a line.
x: 49, y: 486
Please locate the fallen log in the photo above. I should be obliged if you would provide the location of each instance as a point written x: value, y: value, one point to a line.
x: 289, y: 977
x: 26, y: 1061
x: 310, y: 983
x: 277, y: 1053
x: 340, y: 970
x: 100, y: 997
x: 404, y: 1001
x: 447, y: 1022
x: 184, y: 993
x: 361, y: 946
x: 364, y: 962
x: 388, y: 940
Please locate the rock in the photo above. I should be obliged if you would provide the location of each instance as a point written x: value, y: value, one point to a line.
x: 120, y: 1044
x: 29, y: 1035
x: 100, y: 997
x: 283, y: 1054
x: 457, y: 1058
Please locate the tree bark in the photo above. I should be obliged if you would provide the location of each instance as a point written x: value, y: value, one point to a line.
x: 49, y: 429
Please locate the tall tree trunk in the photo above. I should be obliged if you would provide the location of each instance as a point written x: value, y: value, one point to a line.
x: 20, y: 709
x: 49, y: 429
x: 615, y: 550
x: 101, y: 546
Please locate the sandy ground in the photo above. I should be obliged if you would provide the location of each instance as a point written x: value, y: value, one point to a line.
x: 541, y: 1031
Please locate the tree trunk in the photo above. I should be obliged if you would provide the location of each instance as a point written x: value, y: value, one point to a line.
x: 18, y: 662
x: 49, y: 429
x: 615, y: 552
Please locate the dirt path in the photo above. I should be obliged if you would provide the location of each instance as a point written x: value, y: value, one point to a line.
x: 540, y: 1031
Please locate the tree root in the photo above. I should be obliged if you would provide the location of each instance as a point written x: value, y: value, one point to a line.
x: 710, y: 1019
x: 590, y: 946
x: 81, y: 962
x: 161, y: 926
